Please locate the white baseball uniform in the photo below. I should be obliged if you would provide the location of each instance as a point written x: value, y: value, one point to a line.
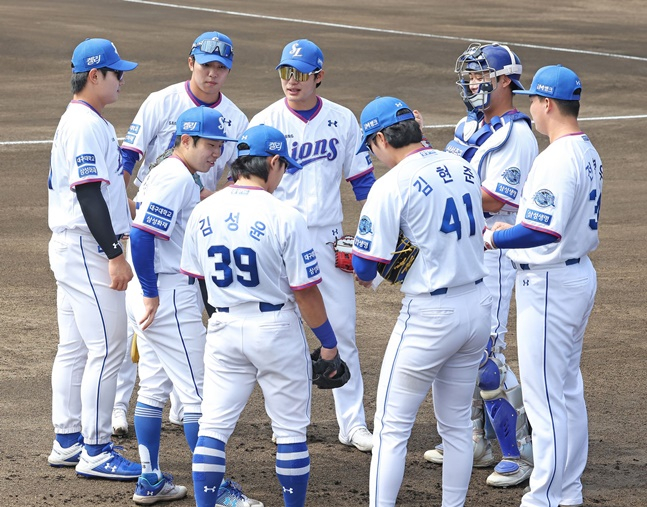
x: 326, y: 147
x: 171, y: 349
x: 435, y: 199
x: 253, y: 251
x: 556, y: 285
x: 91, y: 315
x: 152, y: 131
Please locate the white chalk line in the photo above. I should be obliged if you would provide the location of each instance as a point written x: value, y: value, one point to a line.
x: 384, y: 30
x: 595, y: 118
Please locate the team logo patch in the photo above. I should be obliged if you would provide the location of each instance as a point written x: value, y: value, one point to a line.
x: 92, y: 60
x: 365, y: 225
x: 538, y: 216
x: 156, y: 222
x: 512, y: 175
x: 87, y: 158
x: 191, y: 126
x: 362, y: 244
x: 273, y: 146
x: 134, y: 128
x: 309, y: 256
x: 312, y: 270
x: 88, y: 170
x: 544, y: 198
x: 160, y: 211
x: 506, y: 191
x: 370, y: 124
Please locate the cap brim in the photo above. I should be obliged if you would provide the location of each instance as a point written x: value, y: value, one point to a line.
x: 293, y: 164
x: 524, y: 92
x: 124, y: 65
x: 203, y: 58
x: 362, y: 147
x: 218, y: 138
x: 300, y: 65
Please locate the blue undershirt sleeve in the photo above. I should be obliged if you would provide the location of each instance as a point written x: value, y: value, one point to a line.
x: 365, y: 269
x: 142, y: 245
x: 129, y: 159
x: 362, y: 185
x: 520, y: 236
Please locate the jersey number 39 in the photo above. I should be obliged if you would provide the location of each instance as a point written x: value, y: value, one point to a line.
x: 245, y: 266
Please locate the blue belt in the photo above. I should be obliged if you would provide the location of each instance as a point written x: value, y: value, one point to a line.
x: 569, y: 262
x: 263, y: 307
x: 440, y: 292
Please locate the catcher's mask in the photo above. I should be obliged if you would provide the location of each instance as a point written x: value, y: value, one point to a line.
x: 485, y: 62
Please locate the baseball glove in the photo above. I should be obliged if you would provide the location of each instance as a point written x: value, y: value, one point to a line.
x: 343, y: 248
x: 402, y: 260
x: 322, y: 368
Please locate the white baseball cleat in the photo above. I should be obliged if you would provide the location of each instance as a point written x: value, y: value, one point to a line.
x: 65, y: 457
x: 360, y: 438
x: 119, y: 422
x: 483, y: 460
x: 509, y: 472
x: 163, y: 490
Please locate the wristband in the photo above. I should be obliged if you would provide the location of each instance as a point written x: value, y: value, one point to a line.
x: 325, y: 335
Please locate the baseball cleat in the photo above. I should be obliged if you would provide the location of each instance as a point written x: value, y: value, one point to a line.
x: 162, y: 491
x: 360, y: 438
x: 65, y: 457
x: 108, y: 464
x: 119, y: 422
x: 485, y: 460
x: 231, y: 495
x: 509, y: 473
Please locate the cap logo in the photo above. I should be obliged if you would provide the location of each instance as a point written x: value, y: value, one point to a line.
x: 296, y: 50
x: 93, y: 60
x: 222, y: 122
x: 275, y: 145
x: 190, y: 126
x: 545, y: 88
x: 371, y: 123
x: 244, y: 138
x: 398, y: 104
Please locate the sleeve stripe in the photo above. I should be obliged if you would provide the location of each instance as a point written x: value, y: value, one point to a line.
x: 370, y: 257
x: 370, y: 169
x: 301, y: 287
x: 154, y: 232
x: 541, y: 229
x: 193, y: 275
x: 499, y: 198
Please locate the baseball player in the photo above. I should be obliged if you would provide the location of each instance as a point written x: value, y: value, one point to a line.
x: 434, y: 199
x: 556, y: 229
x: 323, y: 137
x: 88, y: 214
x: 498, y: 140
x: 165, y: 308
x: 152, y: 133
x: 255, y: 254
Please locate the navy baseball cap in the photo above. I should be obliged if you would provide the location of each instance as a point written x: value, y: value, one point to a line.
x: 213, y: 47
x: 266, y: 141
x: 303, y: 55
x: 98, y: 54
x: 202, y: 122
x: 380, y: 114
x: 554, y: 82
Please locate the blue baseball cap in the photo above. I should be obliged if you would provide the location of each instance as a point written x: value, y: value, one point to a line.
x: 213, y: 47
x: 554, y: 82
x: 380, y: 114
x: 303, y: 55
x: 98, y: 54
x: 265, y: 141
x: 202, y: 122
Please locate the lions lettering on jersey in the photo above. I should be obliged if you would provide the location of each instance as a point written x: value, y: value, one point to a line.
x: 310, y: 152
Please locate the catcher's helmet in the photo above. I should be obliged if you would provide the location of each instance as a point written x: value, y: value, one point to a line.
x: 491, y: 60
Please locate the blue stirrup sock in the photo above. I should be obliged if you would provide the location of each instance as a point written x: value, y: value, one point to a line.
x: 293, y: 472
x: 208, y: 470
x: 191, y: 428
x: 148, y: 428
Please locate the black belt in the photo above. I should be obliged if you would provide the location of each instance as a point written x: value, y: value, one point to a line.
x: 440, y: 292
x: 263, y: 307
x: 569, y: 262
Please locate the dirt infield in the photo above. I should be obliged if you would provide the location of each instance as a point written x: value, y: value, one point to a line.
x: 371, y: 48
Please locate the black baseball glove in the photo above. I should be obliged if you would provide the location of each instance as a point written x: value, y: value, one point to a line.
x: 322, y: 368
x: 402, y: 260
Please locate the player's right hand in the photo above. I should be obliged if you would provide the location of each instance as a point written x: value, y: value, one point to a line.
x: 120, y: 272
x: 150, y: 306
